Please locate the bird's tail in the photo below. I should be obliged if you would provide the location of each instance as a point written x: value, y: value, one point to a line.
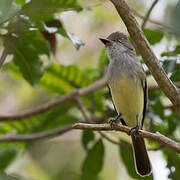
x: 141, y: 158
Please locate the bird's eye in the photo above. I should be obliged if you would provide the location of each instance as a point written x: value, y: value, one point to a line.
x: 121, y: 39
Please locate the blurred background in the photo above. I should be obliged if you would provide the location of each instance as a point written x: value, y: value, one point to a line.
x: 73, y: 57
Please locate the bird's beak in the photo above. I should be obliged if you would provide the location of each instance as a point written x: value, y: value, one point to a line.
x: 106, y: 42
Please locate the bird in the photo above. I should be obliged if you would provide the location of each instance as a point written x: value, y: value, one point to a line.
x: 128, y: 87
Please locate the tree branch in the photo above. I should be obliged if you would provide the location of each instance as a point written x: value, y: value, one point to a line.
x: 148, y: 14
x: 3, y: 57
x: 151, y: 21
x: 91, y: 120
x: 147, y: 54
x: 11, y: 137
x: 68, y: 97
x: 154, y: 136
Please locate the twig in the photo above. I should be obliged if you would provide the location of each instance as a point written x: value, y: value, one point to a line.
x: 148, y: 14
x: 68, y: 97
x: 102, y: 118
x: 3, y: 57
x: 35, y: 136
x: 40, y: 109
x: 91, y: 120
x: 170, y: 90
x: 151, y: 21
x: 154, y: 136
x: 82, y: 109
x: 12, y: 137
x: 109, y: 139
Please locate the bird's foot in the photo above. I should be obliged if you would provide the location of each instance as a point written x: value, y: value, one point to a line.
x: 114, y: 121
x: 136, y: 128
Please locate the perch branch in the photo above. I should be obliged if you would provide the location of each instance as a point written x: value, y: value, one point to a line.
x: 154, y: 136
x: 91, y: 120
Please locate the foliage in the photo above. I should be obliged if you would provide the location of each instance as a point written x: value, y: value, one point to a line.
x: 87, y: 137
x: 28, y: 32
x: 173, y: 161
x: 93, y: 162
x: 24, y: 38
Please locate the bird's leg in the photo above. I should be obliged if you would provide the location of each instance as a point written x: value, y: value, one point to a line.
x: 117, y: 120
x: 136, y: 127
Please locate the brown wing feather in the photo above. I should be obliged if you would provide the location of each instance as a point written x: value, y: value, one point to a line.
x: 145, y: 101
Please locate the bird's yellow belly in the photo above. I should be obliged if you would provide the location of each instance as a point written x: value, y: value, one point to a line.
x: 128, y: 97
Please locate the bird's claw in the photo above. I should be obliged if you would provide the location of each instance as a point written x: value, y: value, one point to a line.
x: 112, y: 122
x: 136, y: 128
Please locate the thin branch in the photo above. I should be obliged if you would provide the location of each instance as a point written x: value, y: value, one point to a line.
x: 148, y: 56
x: 99, y: 119
x: 82, y: 109
x: 3, y: 57
x: 35, y: 136
x: 154, y: 136
x: 91, y: 120
x: 40, y: 109
x: 151, y: 21
x: 148, y: 14
x: 68, y: 97
x: 13, y: 137
x: 109, y: 139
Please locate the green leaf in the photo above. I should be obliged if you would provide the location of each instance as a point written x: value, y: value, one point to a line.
x: 87, y: 137
x: 175, y: 24
x: 42, y: 10
x: 93, y: 162
x: 128, y: 159
x: 6, y: 157
x: 13, y: 69
x: 169, y: 65
x: 172, y: 125
x: 18, y: 25
x: 175, y: 74
x: 7, y: 9
x: 175, y: 52
x: 62, y: 79
x: 173, y: 163
x: 153, y: 36
x: 21, y: 2
x: 75, y: 40
x: 26, y: 50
